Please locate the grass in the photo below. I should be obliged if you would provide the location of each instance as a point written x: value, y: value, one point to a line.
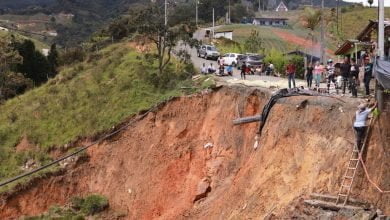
x: 38, y: 44
x: 83, y: 100
x: 78, y: 209
x: 355, y: 19
x: 243, y: 31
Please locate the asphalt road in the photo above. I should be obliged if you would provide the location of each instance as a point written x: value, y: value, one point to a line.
x: 251, y: 80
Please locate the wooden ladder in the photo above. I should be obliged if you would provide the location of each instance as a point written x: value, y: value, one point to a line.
x: 350, y: 172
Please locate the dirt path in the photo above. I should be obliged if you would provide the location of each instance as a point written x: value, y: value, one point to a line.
x: 294, y: 39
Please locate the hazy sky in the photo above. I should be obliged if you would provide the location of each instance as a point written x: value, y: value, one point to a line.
x: 387, y: 2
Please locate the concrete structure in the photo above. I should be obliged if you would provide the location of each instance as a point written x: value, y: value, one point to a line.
x: 4, y: 29
x: 225, y: 34
x: 270, y: 21
x: 281, y: 7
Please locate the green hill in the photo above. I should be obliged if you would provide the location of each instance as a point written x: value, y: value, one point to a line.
x: 83, y: 100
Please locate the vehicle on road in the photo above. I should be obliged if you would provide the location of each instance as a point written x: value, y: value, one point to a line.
x: 208, y: 52
x: 253, y: 60
x: 231, y: 59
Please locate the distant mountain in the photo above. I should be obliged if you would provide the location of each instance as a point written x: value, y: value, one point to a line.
x: 19, y: 4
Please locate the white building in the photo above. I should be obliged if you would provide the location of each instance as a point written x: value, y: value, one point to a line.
x: 4, y: 29
x: 281, y: 7
x: 224, y: 34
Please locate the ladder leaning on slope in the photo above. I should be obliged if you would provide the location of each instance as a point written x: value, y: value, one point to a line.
x: 350, y: 172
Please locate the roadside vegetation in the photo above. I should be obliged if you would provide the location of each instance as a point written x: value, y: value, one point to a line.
x: 79, y: 208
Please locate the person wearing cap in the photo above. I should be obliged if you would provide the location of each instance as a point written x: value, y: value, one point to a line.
x: 360, y: 124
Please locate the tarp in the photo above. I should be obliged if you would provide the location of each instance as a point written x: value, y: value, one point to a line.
x: 382, y: 71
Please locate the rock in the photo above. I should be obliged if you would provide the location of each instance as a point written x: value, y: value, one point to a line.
x: 208, y: 145
x: 203, y: 189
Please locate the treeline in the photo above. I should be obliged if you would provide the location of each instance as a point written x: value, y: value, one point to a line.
x: 23, y: 67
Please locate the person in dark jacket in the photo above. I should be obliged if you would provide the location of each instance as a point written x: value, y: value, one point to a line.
x: 243, y: 70
x: 309, y: 75
x: 368, y: 66
x: 354, y: 77
x: 345, y: 69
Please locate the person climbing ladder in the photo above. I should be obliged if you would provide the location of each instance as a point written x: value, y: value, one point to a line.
x: 360, y: 125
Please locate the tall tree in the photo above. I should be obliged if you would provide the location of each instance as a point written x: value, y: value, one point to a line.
x: 35, y: 65
x: 52, y: 59
x: 311, y: 19
x: 150, y: 23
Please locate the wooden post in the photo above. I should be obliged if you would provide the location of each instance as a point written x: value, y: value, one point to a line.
x: 247, y: 120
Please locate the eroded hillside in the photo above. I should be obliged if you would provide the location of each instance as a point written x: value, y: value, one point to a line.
x: 187, y: 160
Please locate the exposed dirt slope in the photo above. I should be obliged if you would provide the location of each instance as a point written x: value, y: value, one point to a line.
x: 159, y: 166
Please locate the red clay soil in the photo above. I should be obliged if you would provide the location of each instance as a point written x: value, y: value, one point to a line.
x: 158, y: 167
x: 300, y: 41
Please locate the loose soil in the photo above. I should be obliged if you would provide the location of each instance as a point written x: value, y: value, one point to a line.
x: 187, y: 161
x: 300, y: 41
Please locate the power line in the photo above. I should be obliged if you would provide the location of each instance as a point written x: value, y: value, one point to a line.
x: 16, y: 178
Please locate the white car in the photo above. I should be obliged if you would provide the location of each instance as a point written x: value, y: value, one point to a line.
x: 231, y: 58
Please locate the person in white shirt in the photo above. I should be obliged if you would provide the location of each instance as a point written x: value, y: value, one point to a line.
x: 204, y: 69
x: 360, y: 124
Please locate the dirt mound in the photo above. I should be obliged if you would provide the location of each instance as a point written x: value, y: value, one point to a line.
x: 187, y: 160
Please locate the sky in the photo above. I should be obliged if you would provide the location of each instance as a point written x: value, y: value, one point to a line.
x: 387, y: 2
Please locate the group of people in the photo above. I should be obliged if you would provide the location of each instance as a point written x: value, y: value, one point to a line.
x: 221, y: 68
x: 342, y: 76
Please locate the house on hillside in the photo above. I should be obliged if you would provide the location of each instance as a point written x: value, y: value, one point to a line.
x: 224, y: 34
x: 306, y: 56
x: 4, y: 29
x: 365, y: 42
x: 281, y: 7
x: 270, y: 21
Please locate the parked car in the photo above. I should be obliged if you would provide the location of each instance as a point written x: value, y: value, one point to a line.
x: 231, y: 58
x: 253, y: 60
x: 208, y: 52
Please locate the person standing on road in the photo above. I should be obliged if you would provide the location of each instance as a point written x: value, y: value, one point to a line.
x: 331, y: 74
x: 318, y: 70
x: 368, y: 66
x: 354, y: 77
x: 345, y: 69
x: 243, y: 70
x: 360, y: 124
x: 309, y: 75
x: 290, y: 70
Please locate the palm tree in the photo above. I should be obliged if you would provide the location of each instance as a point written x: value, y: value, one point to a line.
x: 311, y: 18
x: 370, y: 2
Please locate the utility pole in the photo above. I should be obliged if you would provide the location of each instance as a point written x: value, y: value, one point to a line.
x: 166, y: 12
x: 196, y: 12
x: 381, y: 29
x: 213, y: 23
x: 337, y: 17
x: 259, y: 7
x: 229, y: 18
x: 323, y: 55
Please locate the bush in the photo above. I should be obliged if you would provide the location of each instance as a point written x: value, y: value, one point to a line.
x: 90, y: 205
x: 277, y: 58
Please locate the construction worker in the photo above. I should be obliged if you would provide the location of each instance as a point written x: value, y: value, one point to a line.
x: 360, y: 124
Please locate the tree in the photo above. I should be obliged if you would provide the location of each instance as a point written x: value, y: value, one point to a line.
x: 150, y: 23
x: 35, y: 65
x: 8, y: 55
x: 311, y: 19
x: 52, y: 59
x: 370, y: 2
x: 254, y: 43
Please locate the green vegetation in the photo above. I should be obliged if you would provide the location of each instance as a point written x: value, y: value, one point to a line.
x: 78, y: 209
x: 83, y: 100
x: 355, y: 19
x: 269, y: 39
